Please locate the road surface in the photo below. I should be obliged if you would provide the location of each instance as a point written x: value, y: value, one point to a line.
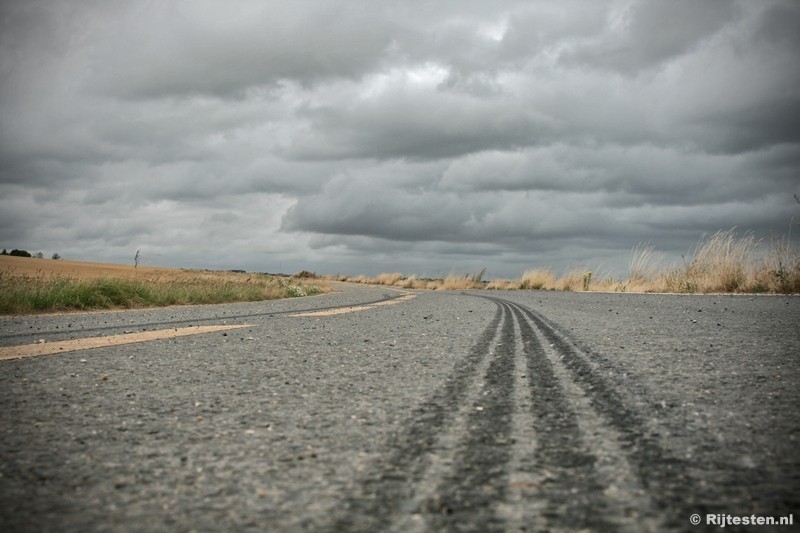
x: 374, y: 409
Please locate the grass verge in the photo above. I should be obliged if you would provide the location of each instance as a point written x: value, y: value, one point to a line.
x: 20, y: 294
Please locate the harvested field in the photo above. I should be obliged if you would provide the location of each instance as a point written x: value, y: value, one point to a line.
x: 34, y: 267
x: 30, y: 285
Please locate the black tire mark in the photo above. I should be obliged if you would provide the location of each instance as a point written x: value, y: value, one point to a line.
x: 665, y: 477
x: 574, y: 491
x: 379, y: 495
x: 465, y: 500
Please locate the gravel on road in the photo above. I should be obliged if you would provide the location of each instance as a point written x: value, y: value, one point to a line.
x: 482, y: 411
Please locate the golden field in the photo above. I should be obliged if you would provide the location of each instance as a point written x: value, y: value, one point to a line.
x: 34, y: 267
x: 32, y: 285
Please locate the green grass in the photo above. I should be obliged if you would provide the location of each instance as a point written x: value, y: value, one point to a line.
x: 28, y: 294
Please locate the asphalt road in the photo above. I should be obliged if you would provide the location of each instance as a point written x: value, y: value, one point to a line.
x: 481, y: 411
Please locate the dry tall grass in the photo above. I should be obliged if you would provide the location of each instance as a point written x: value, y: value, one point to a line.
x: 537, y: 280
x: 502, y: 285
x: 458, y: 283
x: 410, y: 282
x: 388, y: 279
x: 722, y: 263
x: 645, y: 264
x: 451, y: 282
x: 571, y: 281
x: 779, y: 271
x: 725, y: 262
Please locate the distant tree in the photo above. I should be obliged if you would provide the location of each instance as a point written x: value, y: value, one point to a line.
x: 20, y: 253
x: 39, y: 255
x: 5, y: 252
x: 56, y: 256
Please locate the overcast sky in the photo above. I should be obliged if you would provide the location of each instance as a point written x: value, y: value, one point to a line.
x: 417, y: 136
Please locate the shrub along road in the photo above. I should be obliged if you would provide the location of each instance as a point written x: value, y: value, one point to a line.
x: 482, y: 411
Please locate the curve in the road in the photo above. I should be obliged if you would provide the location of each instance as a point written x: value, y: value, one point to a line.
x: 387, y: 299
x: 330, y: 311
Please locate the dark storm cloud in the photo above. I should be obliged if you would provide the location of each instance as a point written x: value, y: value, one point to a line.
x: 416, y: 126
x: 674, y: 177
x: 413, y: 135
x: 647, y: 33
x: 779, y: 25
x: 760, y: 125
x: 205, y: 48
x: 395, y: 216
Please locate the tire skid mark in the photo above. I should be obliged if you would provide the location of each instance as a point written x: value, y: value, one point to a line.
x: 467, y: 499
x: 626, y: 504
x: 571, y: 485
x: 664, y: 477
x: 473, y: 492
x: 521, y: 509
x: 375, y: 502
x: 415, y: 513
